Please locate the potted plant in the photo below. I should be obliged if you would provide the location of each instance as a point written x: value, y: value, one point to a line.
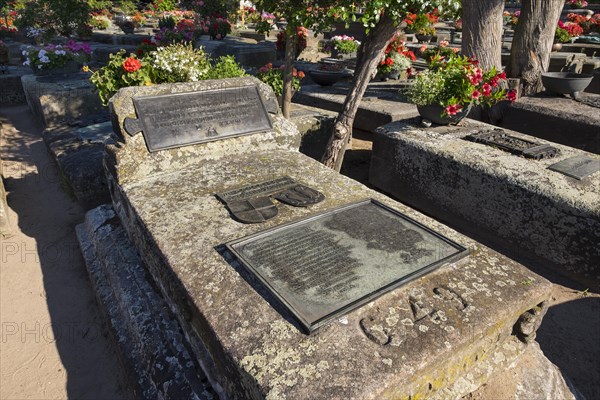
x: 577, y: 3
x: 445, y: 92
x: 344, y: 46
x: 327, y: 74
x: 57, y: 59
x: 397, y: 60
x: 218, y: 27
x: 274, y: 78
x: 421, y: 25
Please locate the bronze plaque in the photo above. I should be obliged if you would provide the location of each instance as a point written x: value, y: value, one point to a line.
x: 329, y: 264
x: 181, y: 119
x: 577, y: 167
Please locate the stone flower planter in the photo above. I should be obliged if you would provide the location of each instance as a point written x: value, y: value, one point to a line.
x: 325, y: 78
x: 433, y: 113
x: 565, y: 82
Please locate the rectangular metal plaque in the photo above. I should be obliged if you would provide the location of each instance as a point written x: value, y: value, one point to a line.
x: 329, y: 264
x: 577, y: 167
x: 182, y: 119
x: 498, y: 138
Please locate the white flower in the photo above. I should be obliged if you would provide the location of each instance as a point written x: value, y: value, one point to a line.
x: 27, y: 62
x: 60, y: 52
x: 42, y: 53
x: 39, y: 67
x: 44, y: 60
x: 24, y: 52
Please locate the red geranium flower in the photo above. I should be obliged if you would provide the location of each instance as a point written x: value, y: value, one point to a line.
x: 131, y: 64
x: 511, y: 95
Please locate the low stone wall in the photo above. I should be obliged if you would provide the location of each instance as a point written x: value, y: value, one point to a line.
x: 11, y: 90
x: 377, y: 107
x: 79, y: 153
x: 57, y: 101
x: 514, y: 201
x: 315, y: 126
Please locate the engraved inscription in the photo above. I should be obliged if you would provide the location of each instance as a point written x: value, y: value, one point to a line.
x: 326, y: 268
x: 181, y: 119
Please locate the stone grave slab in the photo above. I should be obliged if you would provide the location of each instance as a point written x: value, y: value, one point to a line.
x: 411, y: 341
x: 378, y: 106
x: 515, y: 202
x: 414, y: 341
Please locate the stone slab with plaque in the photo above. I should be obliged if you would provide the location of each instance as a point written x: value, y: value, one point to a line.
x: 577, y: 167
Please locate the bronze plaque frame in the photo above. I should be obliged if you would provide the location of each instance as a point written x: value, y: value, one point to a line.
x: 182, y: 119
x: 310, y: 324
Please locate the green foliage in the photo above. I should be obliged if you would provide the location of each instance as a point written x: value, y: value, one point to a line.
x: 99, y: 5
x: 209, y: 8
x: 226, y: 67
x: 167, y: 21
x: 126, y: 6
x: 54, y: 16
x: 178, y: 63
x: 99, y: 22
x: 562, y: 35
x: 274, y: 78
x: 438, y: 54
x: 164, y: 5
x: 344, y: 44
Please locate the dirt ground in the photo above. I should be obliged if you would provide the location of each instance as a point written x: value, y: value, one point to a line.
x: 53, y: 343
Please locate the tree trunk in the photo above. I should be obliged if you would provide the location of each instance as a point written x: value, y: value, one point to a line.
x: 369, y: 56
x: 482, y: 31
x: 290, y: 56
x: 532, y: 44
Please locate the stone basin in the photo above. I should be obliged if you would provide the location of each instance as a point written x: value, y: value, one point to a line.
x: 565, y: 82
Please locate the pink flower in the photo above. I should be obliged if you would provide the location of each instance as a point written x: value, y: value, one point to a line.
x: 264, y: 69
x: 487, y: 89
x: 444, y: 43
x: 423, y: 48
x: 511, y: 95
x: 476, y: 94
x: 453, y: 109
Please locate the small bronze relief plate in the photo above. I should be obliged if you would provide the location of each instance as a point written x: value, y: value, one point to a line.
x: 252, y: 204
x: 521, y: 147
x: 329, y: 264
x: 182, y: 119
x: 577, y: 167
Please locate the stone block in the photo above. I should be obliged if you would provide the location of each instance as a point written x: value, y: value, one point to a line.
x: 246, y: 51
x: 512, y: 201
x: 79, y: 153
x: 378, y: 107
x: 11, y: 90
x: 152, y: 347
x: 56, y: 101
x: 315, y: 126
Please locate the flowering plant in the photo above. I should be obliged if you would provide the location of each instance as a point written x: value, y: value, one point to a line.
x: 397, y: 57
x: 56, y: 56
x: 588, y: 24
x: 174, y: 63
x: 577, y: 3
x: 218, y: 27
x: 456, y: 84
x: 421, y: 23
x: 265, y: 25
x: 300, y: 40
x: 274, y: 78
x: 566, y: 31
x: 345, y: 44
x: 437, y: 54
x: 511, y: 18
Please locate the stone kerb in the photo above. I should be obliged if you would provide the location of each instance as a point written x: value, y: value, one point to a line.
x: 517, y: 202
x: 135, y: 162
